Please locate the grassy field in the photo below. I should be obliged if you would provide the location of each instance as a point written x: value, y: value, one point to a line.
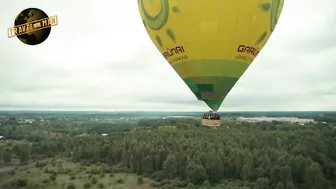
x: 63, y: 174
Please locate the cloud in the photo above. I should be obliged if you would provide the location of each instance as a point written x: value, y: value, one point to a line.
x: 100, y: 57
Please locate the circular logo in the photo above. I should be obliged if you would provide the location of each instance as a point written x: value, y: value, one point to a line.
x: 36, y: 35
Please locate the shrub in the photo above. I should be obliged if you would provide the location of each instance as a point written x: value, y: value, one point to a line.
x: 107, y: 170
x: 158, y: 175
x: 190, y: 186
x: 71, y: 186
x: 87, y: 185
x: 52, y: 177
x: 53, y: 172
x: 120, y: 181
x: 140, y: 180
x: 20, y: 183
x: 94, y: 180
x: 206, y: 183
x: 178, y: 183
x: 156, y: 184
x: 82, y: 168
x: 46, y: 181
x: 12, y: 172
x: 100, y: 185
x: 165, y: 181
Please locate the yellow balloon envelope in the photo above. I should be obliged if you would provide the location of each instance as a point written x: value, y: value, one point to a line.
x: 210, y: 43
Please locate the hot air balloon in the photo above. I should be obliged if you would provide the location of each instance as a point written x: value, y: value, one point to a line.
x: 210, y: 43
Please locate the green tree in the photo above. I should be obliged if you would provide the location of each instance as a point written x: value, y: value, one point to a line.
x: 191, y: 186
x: 280, y: 185
x: 206, y: 185
x: 214, y: 167
x: 170, y: 166
x: 196, y: 173
x: 7, y: 156
x: 290, y: 185
x: 147, y: 165
x: 298, y: 166
x: 2, y: 152
x: 262, y: 183
x: 246, y: 172
x: 259, y: 172
x: 23, y: 151
x: 314, y: 177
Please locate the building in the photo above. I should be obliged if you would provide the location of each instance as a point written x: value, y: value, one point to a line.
x: 280, y: 119
x: 167, y: 127
x: 3, y: 139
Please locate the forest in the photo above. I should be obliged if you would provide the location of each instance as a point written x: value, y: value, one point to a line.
x: 237, y: 155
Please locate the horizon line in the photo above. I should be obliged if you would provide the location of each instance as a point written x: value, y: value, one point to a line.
x: 112, y: 111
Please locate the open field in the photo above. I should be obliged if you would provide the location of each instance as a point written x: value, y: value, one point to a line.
x: 62, y: 174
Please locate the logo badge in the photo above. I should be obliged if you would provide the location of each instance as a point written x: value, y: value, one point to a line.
x: 32, y: 26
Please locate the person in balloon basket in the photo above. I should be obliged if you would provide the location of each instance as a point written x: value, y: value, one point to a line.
x: 210, y: 115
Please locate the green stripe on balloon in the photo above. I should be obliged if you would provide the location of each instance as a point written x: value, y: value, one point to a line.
x: 158, y: 39
x: 265, y: 7
x: 211, y: 80
x: 171, y: 34
x: 159, y: 20
x: 261, y: 38
x: 176, y: 10
x: 274, y: 14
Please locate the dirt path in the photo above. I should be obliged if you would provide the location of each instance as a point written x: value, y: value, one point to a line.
x: 10, y: 168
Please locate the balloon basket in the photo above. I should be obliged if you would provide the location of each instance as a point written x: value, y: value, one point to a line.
x: 210, y: 120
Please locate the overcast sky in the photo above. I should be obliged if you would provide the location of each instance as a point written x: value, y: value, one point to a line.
x: 100, y: 57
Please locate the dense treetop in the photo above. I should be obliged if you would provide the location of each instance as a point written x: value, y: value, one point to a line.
x: 265, y: 155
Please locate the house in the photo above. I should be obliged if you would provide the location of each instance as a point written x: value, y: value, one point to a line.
x: 3, y: 139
